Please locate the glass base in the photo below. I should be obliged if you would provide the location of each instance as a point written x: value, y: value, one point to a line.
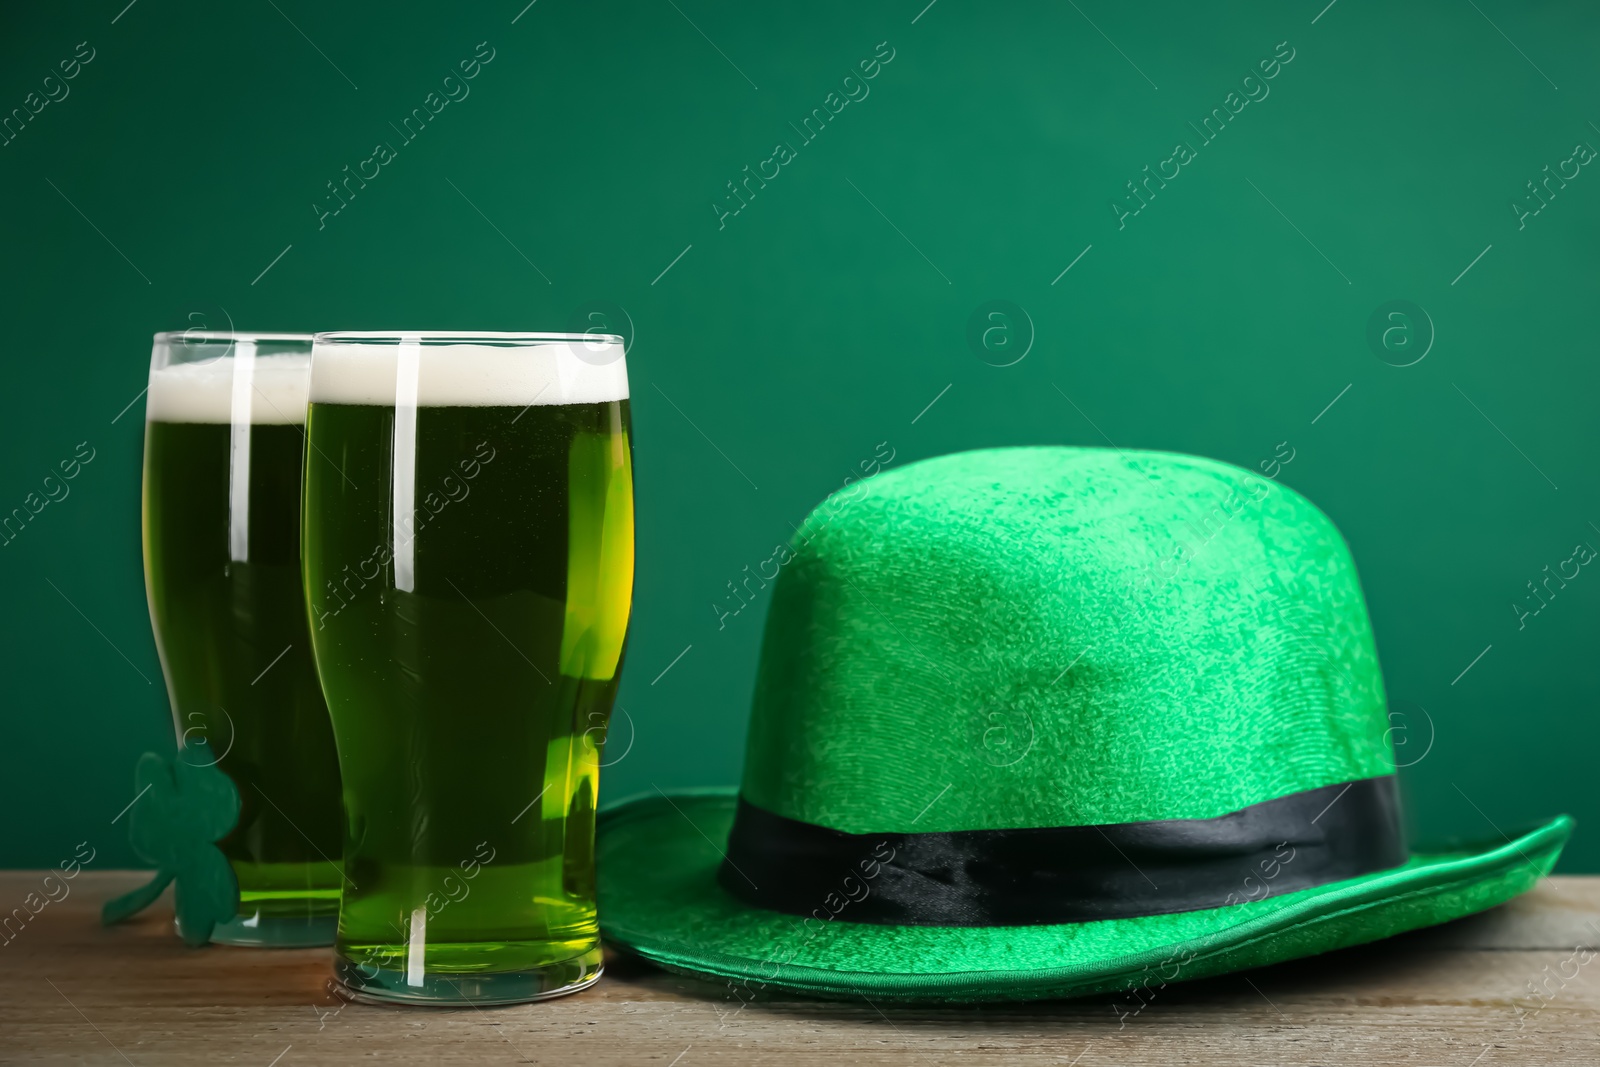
x: 261, y: 931
x: 442, y: 988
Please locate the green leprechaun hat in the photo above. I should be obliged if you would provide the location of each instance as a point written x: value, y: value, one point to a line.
x: 1042, y: 722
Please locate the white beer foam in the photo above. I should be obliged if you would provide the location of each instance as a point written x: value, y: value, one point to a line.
x: 203, y: 392
x: 473, y: 375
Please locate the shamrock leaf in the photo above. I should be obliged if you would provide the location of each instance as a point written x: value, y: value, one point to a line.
x: 183, y: 809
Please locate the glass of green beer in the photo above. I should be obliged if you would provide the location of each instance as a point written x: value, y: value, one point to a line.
x: 224, y: 441
x: 468, y: 560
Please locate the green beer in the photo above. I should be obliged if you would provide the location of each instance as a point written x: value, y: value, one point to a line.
x: 468, y: 564
x: 223, y: 454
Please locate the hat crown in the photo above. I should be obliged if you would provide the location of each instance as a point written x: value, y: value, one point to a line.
x: 1036, y: 637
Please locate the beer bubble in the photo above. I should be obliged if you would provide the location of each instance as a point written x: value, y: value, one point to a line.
x: 202, y: 390
x: 483, y: 370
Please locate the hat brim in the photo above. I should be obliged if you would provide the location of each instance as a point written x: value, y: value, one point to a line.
x: 658, y: 858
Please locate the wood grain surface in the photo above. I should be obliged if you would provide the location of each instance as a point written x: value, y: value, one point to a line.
x: 1516, y: 985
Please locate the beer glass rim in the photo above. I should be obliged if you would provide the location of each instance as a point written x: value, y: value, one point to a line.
x: 187, y: 336
x: 460, y: 337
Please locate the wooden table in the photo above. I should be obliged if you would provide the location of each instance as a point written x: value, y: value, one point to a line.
x: 1459, y: 996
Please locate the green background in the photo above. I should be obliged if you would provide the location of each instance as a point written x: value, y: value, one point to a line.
x: 782, y: 348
